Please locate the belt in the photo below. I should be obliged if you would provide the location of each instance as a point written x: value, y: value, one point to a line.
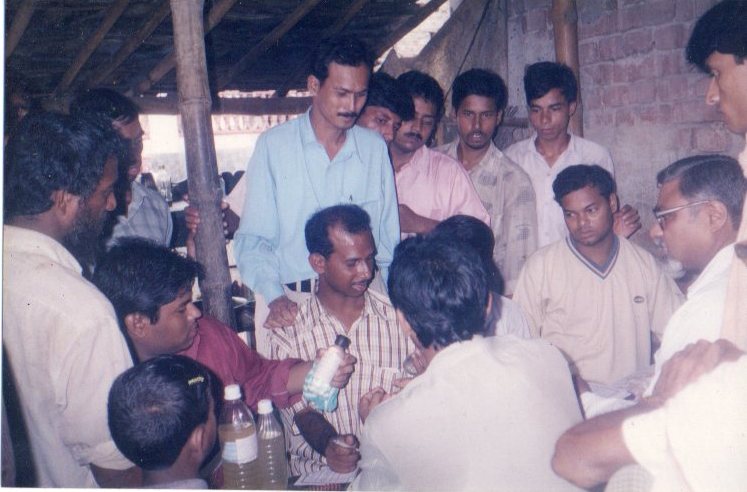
x: 300, y: 286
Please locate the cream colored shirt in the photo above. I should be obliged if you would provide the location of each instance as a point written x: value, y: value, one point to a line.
x: 550, y: 221
x: 507, y: 194
x: 600, y: 317
x: 65, y: 348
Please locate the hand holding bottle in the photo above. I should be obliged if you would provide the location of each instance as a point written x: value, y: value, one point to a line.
x: 342, y: 453
x: 346, y: 369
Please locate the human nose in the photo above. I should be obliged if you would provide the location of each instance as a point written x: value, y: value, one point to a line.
x: 365, y: 269
x: 712, y: 94
x: 194, y: 312
x: 111, y: 202
x: 655, y: 232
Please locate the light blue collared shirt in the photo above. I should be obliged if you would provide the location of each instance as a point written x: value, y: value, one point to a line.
x: 289, y: 177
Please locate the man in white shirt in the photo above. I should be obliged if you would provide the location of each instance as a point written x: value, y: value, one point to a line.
x: 486, y: 412
x: 551, y: 92
x: 60, y: 332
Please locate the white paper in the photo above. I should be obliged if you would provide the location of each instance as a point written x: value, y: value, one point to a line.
x: 326, y: 476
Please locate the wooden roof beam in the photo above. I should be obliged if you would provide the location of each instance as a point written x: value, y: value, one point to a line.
x: 166, y: 65
x: 155, y: 19
x: 111, y: 16
x: 410, y: 24
x: 273, y: 37
x: 257, y: 106
x: 335, y: 28
x: 18, y: 26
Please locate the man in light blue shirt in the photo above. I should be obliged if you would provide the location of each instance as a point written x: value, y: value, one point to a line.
x: 315, y: 161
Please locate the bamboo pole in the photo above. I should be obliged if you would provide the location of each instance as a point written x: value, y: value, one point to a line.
x: 565, y: 30
x: 18, y: 26
x: 202, y: 168
x: 110, y: 17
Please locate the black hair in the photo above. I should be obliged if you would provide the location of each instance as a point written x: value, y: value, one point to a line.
x: 465, y: 229
x: 140, y: 276
x: 580, y: 176
x: 344, y: 50
x: 442, y: 290
x: 709, y: 177
x: 50, y: 152
x: 105, y: 102
x: 542, y: 77
x: 155, y: 406
x: 724, y: 29
x: 479, y: 82
x: 387, y: 92
x: 419, y: 84
x: 352, y: 218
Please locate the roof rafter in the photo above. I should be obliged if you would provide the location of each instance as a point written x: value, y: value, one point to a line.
x: 18, y: 26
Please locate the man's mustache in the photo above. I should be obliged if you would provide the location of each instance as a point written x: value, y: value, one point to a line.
x: 414, y: 135
x: 348, y: 115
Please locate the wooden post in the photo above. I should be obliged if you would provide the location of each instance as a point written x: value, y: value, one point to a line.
x: 565, y: 30
x: 202, y: 169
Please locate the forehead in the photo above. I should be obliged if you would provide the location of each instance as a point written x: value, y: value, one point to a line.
x: 720, y: 61
x: 380, y: 112
x: 424, y: 107
x: 345, y: 243
x: 477, y: 104
x: 129, y: 130
x: 553, y: 96
x: 669, y: 194
x: 349, y: 77
x: 582, y: 198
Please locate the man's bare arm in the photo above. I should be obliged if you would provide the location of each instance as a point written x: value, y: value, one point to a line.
x: 341, y: 451
x: 410, y: 222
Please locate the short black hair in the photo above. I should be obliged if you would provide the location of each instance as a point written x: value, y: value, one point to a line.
x: 140, y: 276
x: 344, y: 50
x: 105, y: 102
x: 470, y: 231
x: 387, y: 92
x: 352, y: 218
x: 442, y: 290
x: 709, y: 177
x: 542, y: 77
x: 479, y: 82
x: 49, y: 152
x: 724, y: 29
x: 580, y: 176
x: 419, y: 84
x: 155, y: 406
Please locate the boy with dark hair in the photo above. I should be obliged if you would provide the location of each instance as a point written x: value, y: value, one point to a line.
x: 341, y: 252
x: 551, y: 92
x: 718, y: 46
x: 479, y: 98
x: 150, y: 287
x: 594, y: 295
x: 442, y: 295
x: 431, y: 186
x: 317, y: 160
x: 387, y: 105
x: 162, y: 417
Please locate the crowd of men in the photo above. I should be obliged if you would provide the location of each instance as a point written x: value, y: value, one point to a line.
x: 504, y: 331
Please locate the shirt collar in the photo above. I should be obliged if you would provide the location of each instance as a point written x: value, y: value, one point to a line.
x: 718, y: 266
x: 600, y: 270
x: 308, y: 137
x: 27, y: 241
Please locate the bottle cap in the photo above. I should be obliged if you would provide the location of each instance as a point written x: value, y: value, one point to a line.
x: 342, y: 341
x: 264, y: 407
x: 232, y: 392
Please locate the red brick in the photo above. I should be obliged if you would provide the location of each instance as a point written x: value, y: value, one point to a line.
x: 588, y: 53
x: 592, y: 99
x: 610, y: 48
x: 670, y: 37
x: 646, y: 14
x: 659, y: 114
x: 624, y: 117
x: 597, y: 74
x: 684, y: 10
x: 643, y: 92
x: 605, y: 24
x: 616, y: 95
x: 710, y: 139
x: 671, y: 63
x: 699, y: 86
x: 684, y: 138
x: 673, y: 89
x: 637, y: 42
x: 601, y: 118
x: 535, y: 20
x: 695, y: 112
x: 642, y: 69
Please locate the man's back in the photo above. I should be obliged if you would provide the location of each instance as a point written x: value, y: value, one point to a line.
x: 484, y: 416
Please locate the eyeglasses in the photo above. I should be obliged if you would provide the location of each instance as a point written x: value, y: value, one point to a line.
x: 661, y: 215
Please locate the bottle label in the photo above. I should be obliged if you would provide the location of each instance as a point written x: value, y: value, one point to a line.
x: 242, y: 450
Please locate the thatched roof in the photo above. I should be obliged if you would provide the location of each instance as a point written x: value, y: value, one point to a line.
x: 60, y: 46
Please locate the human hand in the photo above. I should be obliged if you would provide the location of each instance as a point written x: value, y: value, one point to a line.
x: 342, y: 453
x: 626, y: 221
x: 410, y: 222
x: 369, y: 401
x: 342, y: 376
x: 692, y: 362
x: 192, y: 219
x: 282, y: 313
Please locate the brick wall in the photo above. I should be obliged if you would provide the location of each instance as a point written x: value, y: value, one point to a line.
x: 640, y: 97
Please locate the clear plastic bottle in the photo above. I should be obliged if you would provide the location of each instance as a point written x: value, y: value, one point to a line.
x: 238, y: 439
x: 317, y: 389
x: 163, y: 181
x: 273, y: 461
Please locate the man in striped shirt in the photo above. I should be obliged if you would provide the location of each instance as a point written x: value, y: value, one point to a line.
x: 342, y: 253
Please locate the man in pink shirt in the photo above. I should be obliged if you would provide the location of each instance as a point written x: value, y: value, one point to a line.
x: 431, y: 186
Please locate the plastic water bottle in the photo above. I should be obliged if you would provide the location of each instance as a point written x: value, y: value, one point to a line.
x: 317, y: 389
x: 163, y: 181
x: 273, y: 461
x: 238, y: 439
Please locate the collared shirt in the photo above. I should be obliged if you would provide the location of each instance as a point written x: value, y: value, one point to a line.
x: 148, y: 217
x: 376, y: 341
x: 600, y: 317
x: 436, y: 186
x: 289, y: 177
x: 485, y: 415
x: 65, y: 349
x: 550, y: 221
x: 219, y: 348
x: 507, y: 194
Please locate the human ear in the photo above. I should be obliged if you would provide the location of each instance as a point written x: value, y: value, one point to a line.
x: 312, y: 84
x: 137, y: 324
x: 572, y: 108
x: 614, y: 203
x: 718, y: 216
x: 318, y: 263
